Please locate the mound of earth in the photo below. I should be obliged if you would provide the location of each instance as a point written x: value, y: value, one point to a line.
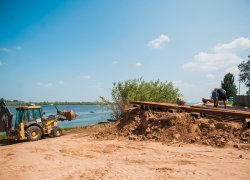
x: 141, y: 125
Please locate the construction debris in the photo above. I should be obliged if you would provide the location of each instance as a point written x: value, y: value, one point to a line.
x: 207, y: 100
x: 166, y: 118
x: 192, y: 109
x: 140, y: 125
x: 180, y: 101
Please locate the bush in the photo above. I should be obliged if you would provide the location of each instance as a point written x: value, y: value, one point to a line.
x: 3, y: 136
x: 138, y: 90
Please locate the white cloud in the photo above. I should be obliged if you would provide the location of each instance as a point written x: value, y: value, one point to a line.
x: 61, y: 82
x: 2, y: 63
x: 233, y: 70
x: 18, y: 47
x: 210, y: 76
x: 205, y: 62
x: 156, y: 43
x: 138, y: 64
x: 84, y: 77
x: 4, y: 49
x: 236, y: 45
x: 45, y: 85
x: 115, y: 62
x: 223, y: 56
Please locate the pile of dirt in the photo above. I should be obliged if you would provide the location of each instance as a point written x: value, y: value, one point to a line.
x: 142, y: 125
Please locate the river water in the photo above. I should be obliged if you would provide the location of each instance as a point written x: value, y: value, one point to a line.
x: 85, y: 117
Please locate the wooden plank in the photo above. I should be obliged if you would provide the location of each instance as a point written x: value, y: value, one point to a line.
x: 206, y: 100
x: 166, y: 118
x: 215, y: 111
x: 172, y: 110
x: 196, y: 115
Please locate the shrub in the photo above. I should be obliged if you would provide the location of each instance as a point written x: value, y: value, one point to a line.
x: 3, y: 136
x: 138, y: 90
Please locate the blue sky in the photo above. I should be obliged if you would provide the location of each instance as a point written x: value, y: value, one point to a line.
x: 75, y: 50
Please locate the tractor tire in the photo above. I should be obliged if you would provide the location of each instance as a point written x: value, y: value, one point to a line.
x: 57, y: 132
x: 33, y: 133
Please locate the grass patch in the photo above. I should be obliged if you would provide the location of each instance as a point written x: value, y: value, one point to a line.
x: 98, y: 123
x: 68, y: 128
x: 237, y: 105
x: 3, y: 136
x: 112, y: 123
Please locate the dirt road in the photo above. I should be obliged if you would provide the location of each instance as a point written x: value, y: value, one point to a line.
x: 80, y: 156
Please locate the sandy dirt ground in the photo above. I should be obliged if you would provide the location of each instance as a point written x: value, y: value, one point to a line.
x: 81, y: 156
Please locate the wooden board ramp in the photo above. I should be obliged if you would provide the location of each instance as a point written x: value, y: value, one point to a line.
x: 193, y: 109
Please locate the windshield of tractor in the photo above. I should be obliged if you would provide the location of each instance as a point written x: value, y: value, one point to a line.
x: 35, y: 114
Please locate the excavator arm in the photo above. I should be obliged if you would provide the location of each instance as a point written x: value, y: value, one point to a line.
x: 6, y: 117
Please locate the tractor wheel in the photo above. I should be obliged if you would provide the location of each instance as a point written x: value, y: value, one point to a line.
x: 57, y: 132
x: 33, y: 133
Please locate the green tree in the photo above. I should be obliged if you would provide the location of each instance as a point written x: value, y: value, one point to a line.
x: 244, y: 75
x: 139, y: 90
x: 229, y: 85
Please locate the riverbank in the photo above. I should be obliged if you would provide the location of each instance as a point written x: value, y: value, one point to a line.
x: 79, y: 155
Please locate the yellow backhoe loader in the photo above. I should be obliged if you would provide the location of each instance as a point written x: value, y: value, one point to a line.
x: 30, y: 122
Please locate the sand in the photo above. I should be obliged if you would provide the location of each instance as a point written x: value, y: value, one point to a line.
x: 108, y: 152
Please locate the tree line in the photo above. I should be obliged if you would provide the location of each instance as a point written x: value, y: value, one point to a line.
x: 57, y: 103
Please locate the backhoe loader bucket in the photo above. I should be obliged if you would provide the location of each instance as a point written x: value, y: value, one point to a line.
x: 68, y: 115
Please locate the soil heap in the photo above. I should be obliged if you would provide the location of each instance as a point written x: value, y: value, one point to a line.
x: 140, y: 125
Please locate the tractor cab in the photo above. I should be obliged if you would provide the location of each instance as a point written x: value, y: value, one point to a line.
x: 27, y: 114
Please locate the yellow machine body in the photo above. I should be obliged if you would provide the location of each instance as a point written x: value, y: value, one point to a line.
x: 49, y: 125
x: 30, y: 123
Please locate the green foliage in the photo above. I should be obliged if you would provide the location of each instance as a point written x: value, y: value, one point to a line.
x: 228, y: 85
x: 3, y: 136
x: 230, y: 103
x: 244, y: 75
x: 139, y: 90
x: 68, y: 128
